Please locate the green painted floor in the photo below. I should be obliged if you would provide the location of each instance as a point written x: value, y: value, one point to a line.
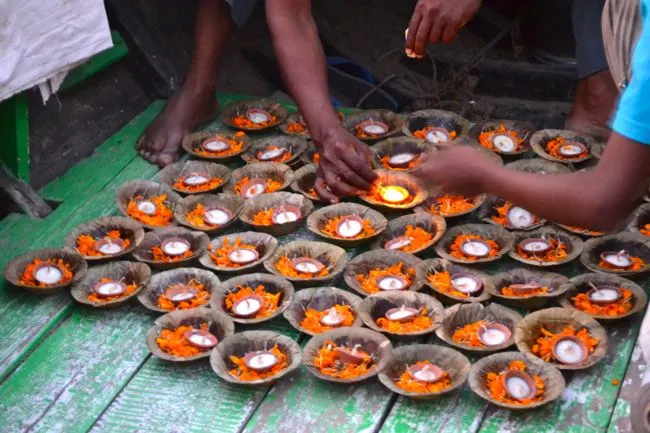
x: 68, y: 368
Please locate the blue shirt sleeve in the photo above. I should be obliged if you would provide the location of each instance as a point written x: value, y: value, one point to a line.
x: 632, y: 118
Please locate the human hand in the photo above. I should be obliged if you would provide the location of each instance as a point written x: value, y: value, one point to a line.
x: 344, y: 168
x: 437, y: 20
x: 459, y: 169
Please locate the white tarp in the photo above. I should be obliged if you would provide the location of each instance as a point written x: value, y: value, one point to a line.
x: 41, y: 40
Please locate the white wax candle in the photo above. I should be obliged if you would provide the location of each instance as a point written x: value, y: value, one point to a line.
x: 475, y: 248
x: 111, y: 288
x: 517, y: 387
x: 504, y: 143
x: 243, y: 256
x: 349, y: 227
x: 466, y: 284
x: 195, y: 179
x: 568, y: 351
x: 110, y: 248
x: 48, y: 274
x: 332, y: 318
x: 391, y: 283
x: 492, y: 337
x: 262, y: 361
x: 147, y: 207
x: 247, y: 307
x: 436, y: 136
x: 401, y: 159
x: 215, y: 145
x: 520, y: 218
x: 216, y: 217
x: 175, y: 247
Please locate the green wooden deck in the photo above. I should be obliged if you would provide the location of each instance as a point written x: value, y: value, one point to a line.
x: 68, y: 368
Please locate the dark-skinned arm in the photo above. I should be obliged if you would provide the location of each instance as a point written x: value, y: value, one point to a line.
x: 345, y: 162
x: 598, y: 199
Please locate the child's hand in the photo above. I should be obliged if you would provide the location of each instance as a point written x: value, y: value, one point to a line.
x: 456, y: 168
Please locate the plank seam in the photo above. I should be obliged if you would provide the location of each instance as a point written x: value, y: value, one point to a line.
x: 384, y: 416
x: 58, y: 395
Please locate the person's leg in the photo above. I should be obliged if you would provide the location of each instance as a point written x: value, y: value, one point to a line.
x: 596, y: 93
x: 195, y: 102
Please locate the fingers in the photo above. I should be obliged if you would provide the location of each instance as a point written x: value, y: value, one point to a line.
x: 413, y: 29
x: 337, y: 185
x: 349, y: 176
x: 323, y: 192
x: 450, y: 31
x: 422, y: 37
x: 437, y: 28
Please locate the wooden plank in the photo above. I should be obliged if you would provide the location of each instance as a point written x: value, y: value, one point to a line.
x: 190, y: 394
x: 14, y: 135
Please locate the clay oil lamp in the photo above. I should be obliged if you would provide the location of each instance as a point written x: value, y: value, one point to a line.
x: 605, y: 297
x: 401, y: 153
x: 179, y: 289
x: 477, y: 328
x: 195, y: 177
x: 347, y: 224
x: 528, y: 289
x: 171, y: 247
x: 395, y: 190
x: 346, y: 355
x: 568, y: 339
x: 182, y: 336
x: 209, y: 213
x: 277, y: 213
x: 316, y: 310
x: 255, y: 358
x: 510, y: 381
x: 111, y: 284
x: 276, y: 149
x: 382, y: 271
x: 260, y: 178
x: 45, y: 271
x: 415, y: 233
x: 437, y: 127
x: 253, y: 298
x: 505, y: 137
x: 563, y: 146
x: 216, y: 145
x: 373, y: 125
x: 545, y: 247
x: 640, y: 220
x: 425, y: 371
x: 405, y: 314
x: 148, y: 203
x: 508, y: 215
x: 307, y: 263
x: 305, y: 178
x: 450, y: 205
x: 625, y: 253
x: 254, y: 116
x: 105, y: 238
x: 474, y: 243
x: 238, y: 251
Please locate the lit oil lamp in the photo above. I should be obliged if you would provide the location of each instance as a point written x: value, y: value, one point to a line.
x: 180, y: 293
x: 109, y: 246
x: 398, y: 243
x: 307, y: 265
x: 258, y: 116
x: 408, y: 52
x: 525, y: 289
x: 475, y: 248
x: 373, y: 127
x: 247, y: 306
x: 391, y: 282
x: 401, y: 314
x: 351, y: 356
x: 271, y: 154
x: 253, y: 188
x: 518, y: 384
x: 604, y: 294
x: 175, y: 246
x: 401, y: 160
x: 147, y: 207
x: 535, y: 245
x: 200, y: 339
x: 217, y: 216
x: 243, y: 256
x: 349, y: 226
x: 106, y: 289
x: 394, y: 194
x: 437, y: 135
x: 519, y: 218
x: 619, y: 260
x: 494, y: 334
x: 215, y: 145
x: 285, y: 214
x: 48, y: 273
x: 196, y: 179
x: 466, y: 283
x: 260, y: 360
x: 427, y: 373
x: 571, y: 149
x: 332, y: 318
x: 570, y: 350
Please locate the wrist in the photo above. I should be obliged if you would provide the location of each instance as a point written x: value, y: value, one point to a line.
x: 325, y: 130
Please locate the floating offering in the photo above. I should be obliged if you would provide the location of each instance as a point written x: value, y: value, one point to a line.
x: 172, y: 250
x: 220, y: 146
x: 334, y: 317
x: 604, y: 300
x: 254, y: 118
x: 249, y: 188
x: 405, y: 320
x: 371, y: 129
x: 249, y: 303
x: 462, y: 285
x: 621, y: 261
x: 108, y: 245
x: 511, y: 216
x: 544, y: 249
x: 233, y: 255
x: 154, y: 211
x: 514, y: 385
x: 107, y: 290
x: 414, y: 239
x: 282, y: 214
x: 566, y: 347
x: 301, y: 267
x: 395, y: 277
x: 423, y: 377
x: 564, y: 149
x: 343, y: 362
x: 482, y: 334
x: 473, y: 247
x: 348, y: 227
x: 197, y: 182
x: 181, y: 296
x: 448, y: 205
x: 44, y: 273
x: 259, y: 364
x: 185, y: 340
x: 435, y: 135
x: 502, y: 139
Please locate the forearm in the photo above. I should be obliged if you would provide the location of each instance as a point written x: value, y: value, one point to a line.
x: 302, y: 62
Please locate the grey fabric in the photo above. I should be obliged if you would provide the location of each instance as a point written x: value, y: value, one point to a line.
x: 241, y: 10
x: 621, y: 24
x: 590, y: 52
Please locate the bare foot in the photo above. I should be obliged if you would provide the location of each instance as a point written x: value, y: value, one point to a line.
x: 160, y: 143
x: 594, y: 104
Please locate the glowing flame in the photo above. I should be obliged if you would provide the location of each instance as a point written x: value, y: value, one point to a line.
x: 393, y: 194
